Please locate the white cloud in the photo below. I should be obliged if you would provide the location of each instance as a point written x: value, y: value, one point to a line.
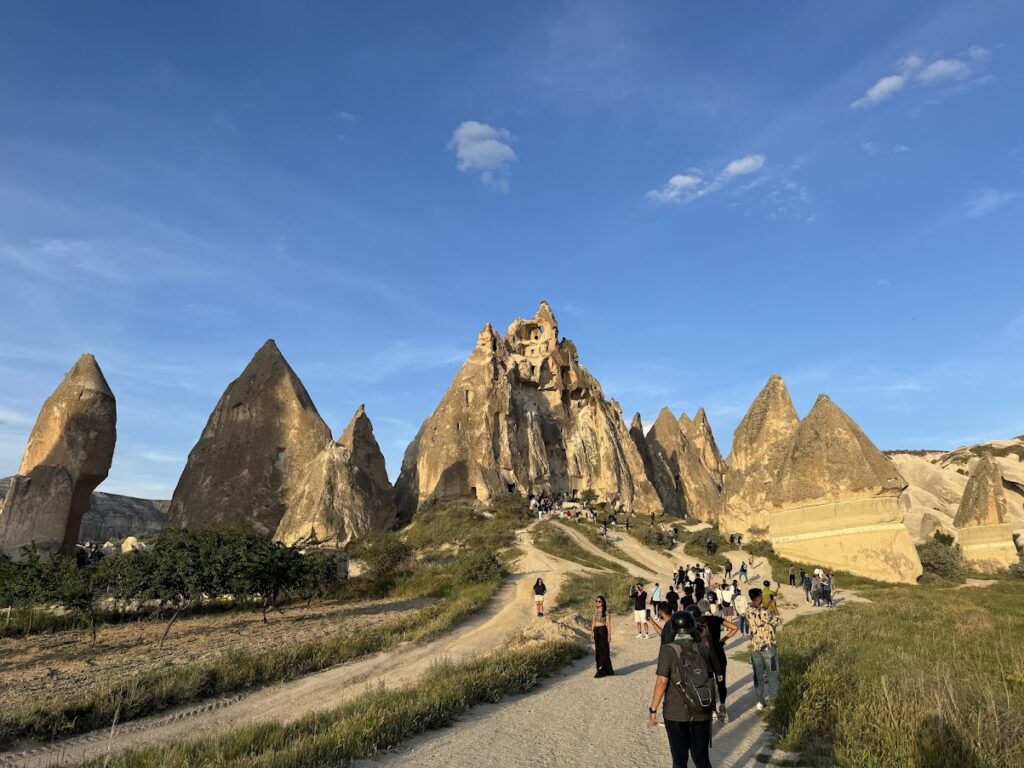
x: 345, y: 117
x: 744, y: 165
x: 674, y: 189
x: 901, y: 148
x: 913, y: 68
x: 687, y: 187
x: 982, y: 202
x: 880, y: 91
x: 883, y: 283
x: 484, y: 149
x: 869, y: 147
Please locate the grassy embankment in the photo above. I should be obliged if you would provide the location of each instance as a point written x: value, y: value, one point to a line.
x: 551, y: 538
x: 451, y: 560
x: 375, y: 721
x: 924, y: 678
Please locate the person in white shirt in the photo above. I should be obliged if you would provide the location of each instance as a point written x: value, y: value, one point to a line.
x: 725, y: 595
x: 740, y: 603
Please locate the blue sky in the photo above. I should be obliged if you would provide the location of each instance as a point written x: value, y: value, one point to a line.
x: 706, y: 194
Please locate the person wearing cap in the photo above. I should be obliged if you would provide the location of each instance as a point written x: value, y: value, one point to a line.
x: 764, y: 652
x: 689, y: 731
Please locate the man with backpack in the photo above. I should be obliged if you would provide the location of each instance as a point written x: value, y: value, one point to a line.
x: 764, y: 652
x: 685, y: 683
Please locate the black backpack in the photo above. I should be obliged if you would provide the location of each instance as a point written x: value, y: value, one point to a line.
x: 694, y: 679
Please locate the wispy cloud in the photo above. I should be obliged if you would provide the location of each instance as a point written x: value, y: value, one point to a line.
x: 900, y: 148
x: 914, y: 70
x: 686, y: 187
x: 982, y: 202
x: 485, y: 150
x: 869, y: 147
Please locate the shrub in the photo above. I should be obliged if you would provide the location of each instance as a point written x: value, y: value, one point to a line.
x: 588, y: 496
x: 476, y: 566
x: 382, y: 553
x: 761, y: 548
x: 943, y: 560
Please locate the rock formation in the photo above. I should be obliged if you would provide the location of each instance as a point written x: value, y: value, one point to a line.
x: 74, y: 433
x: 759, y: 445
x: 703, y: 441
x: 984, y: 535
x: 685, y: 422
x: 636, y: 433
x: 834, y: 501
x: 523, y: 414
x: 344, y: 493
x: 254, y: 452
x: 684, y: 485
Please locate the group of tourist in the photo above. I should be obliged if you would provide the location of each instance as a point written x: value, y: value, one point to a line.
x: 694, y: 625
x: 819, y: 585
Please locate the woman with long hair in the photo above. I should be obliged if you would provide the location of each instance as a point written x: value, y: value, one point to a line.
x: 539, y: 590
x: 602, y: 628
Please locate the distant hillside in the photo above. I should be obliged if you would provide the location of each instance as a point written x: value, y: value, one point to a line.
x: 114, y: 517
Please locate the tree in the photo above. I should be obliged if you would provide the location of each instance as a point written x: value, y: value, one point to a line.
x: 588, y: 496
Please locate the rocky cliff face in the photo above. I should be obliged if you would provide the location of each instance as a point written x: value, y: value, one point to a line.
x: 345, y: 492
x: 254, y: 451
x: 834, y: 501
x: 684, y: 485
x: 984, y: 535
x: 759, y: 445
x: 523, y: 414
x: 703, y: 441
x: 75, y: 432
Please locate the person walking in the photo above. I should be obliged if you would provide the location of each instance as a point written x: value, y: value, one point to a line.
x: 539, y: 590
x: 713, y: 624
x: 826, y: 591
x: 816, y: 591
x: 807, y: 584
x: 765, y: 655
x: 726, y: 594
x: 640, y: 612
x: 792, y: 575
x: 743, y: 572
x: 768, y: 595
x: 601, y: 626
x: 740, y: 605
x: 687, y: 597
x: 686, y: 708
x: 665, y: 630
x: 655, y: 598
x: 728, y: 570
x: 672, y: 600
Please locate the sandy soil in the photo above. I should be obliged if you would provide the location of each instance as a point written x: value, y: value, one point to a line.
x: 511, y: 611
x: 54, y: 665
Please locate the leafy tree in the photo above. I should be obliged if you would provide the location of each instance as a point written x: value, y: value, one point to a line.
x: 382, y: 553
x: 588, y: 496
x: 943, y: 560
x: 478, y: 566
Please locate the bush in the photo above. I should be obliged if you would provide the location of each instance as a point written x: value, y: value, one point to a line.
x: 943, y: 560
x: 761, y: 548
x: 383, y: 554
x: 653, y: 536
x: 475, y: 567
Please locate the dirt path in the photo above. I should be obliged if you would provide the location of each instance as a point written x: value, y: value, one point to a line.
x: 574, y: 719
x: 581, y: 538
x: 511, y: 610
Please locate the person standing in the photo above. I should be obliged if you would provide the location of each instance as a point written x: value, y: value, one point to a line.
x: 714, y: 624
x: 640, y: 612
x: 728, y: 570
x: 539, y: 590
x: 768, y: 596
x: 656, y: 598
x: 601, y: 626
x: 740, y: 605
x: 672, y: 601
x: 792, y: 575
x: 687, y: 600
x: 807, y: 584
x: 743, y: 572
x: 765, y: 655
x: 687, y: 723
x: 726, y: 595
x: 665, y: 630
x: 826, y: 591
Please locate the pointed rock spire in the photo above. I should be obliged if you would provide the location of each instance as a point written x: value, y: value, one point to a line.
x: 685, y: 487
x: 985, y: 537
x: 834, y: 501
x: 703, y: 442
x: 258, y: 441
x: 636, y: 434
x: 345, y: 492
x: 76, y: 431
x: 759, y: 445
x: 522, y: 414
x: 685, y: 422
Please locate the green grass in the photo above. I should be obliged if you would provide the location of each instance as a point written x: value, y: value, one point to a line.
x: 926, y: 678
x: 373, y: 722
x: 465, y: 525
x: 578, y: 591
x: 593, y: 531
x: 554, y: 540
x: 236, y: 670
x: 760, y: 552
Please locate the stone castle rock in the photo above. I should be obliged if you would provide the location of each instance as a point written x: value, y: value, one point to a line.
x: 834, y: 501
x: 523, y: 415
x: 983, y: 533
x: 759, y: 446
x: 703, y: 441
x: 345, y: 492
x: 254, y: 451
x: 684, y: 485
x: 69, y: 453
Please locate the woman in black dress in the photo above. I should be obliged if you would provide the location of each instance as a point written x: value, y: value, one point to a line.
x: 602, y: 628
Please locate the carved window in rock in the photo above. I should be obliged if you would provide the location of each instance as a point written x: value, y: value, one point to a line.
x: 469, y: 396
x: 472, y: 491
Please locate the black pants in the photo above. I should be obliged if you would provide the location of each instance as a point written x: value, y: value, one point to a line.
x: 721, y: 686
x: 687, y: 740
x: 602, y: 652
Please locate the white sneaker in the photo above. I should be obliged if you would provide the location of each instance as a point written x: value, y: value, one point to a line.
x: 638, y: 635
x: 647, y: 636
x: 760, y: 706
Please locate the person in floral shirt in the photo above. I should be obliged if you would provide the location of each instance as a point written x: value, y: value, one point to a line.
x: 765, y: 655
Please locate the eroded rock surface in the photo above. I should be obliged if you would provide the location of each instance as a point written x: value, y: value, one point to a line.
x: 703, y: 441
x: 684, y: 485
x: 254, y: 452
x: 75, y: 431
x: 984, y: 535
x: 759, y: 446
x: 344, y: 494
x: 834, y: 501
x: 523, y: 414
